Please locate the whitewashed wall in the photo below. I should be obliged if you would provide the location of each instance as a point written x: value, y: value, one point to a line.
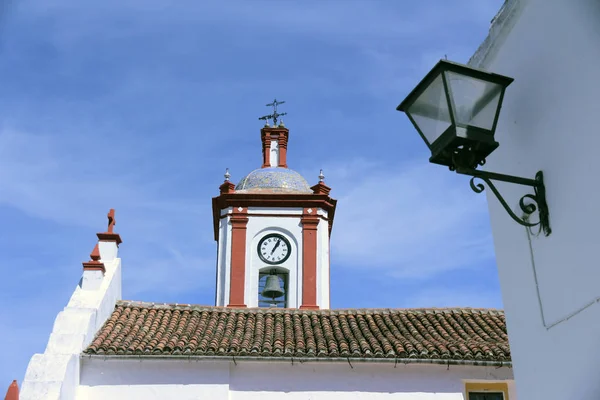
x: 274, y: 158
x: 224, y: 258
x: 290, y: 227
x: 54, y: 374
x: 173, y: 379
x: 550, y: 122
x: 323, y: 266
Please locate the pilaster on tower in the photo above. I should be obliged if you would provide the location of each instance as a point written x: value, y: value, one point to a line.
x: 272, y: 231
x: 274, y: 146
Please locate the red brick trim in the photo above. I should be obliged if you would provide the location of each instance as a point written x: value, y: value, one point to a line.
x: 310, y: 222
x: 279, y: 133
x: 266, y: 142
x: 321, y: 188
x: 13, y: 391
x: 237, y: 280
x: 227, y: 187
x: 286, y: 200
x: 274, y: 216
x: 109, y: 237
x: 94, y: 264
x: 283, y: 141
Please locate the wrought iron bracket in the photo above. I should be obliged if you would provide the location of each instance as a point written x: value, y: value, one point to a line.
x: 537, y: 200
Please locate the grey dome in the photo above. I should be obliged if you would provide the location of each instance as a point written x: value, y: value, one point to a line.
x: 273, y: 180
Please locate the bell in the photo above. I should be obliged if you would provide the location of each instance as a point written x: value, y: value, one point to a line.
x: 272, y: 288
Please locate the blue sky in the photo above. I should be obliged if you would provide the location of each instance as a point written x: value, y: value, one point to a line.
x: 141, y: 105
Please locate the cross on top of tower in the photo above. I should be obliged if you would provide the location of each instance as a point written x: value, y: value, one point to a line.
x: 275, y: 114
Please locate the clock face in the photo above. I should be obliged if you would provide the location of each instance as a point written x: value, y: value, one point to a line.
x: 274, y: 249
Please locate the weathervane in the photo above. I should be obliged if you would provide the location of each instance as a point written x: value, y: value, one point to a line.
x: 275, y: 114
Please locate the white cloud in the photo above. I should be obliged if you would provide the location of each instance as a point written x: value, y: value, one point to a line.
x: 77, y: 143
x: 180, y: 273
x: 346, y: 21
x: 157, y: 226
x: 455, y: 296
x: 410, y: 220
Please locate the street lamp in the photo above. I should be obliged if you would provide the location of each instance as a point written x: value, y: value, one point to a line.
x: 455, y: 109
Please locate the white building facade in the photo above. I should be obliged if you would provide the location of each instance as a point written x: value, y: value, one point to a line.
x: 549, y: 122
x: 214, y: 379
x: 271, y: 332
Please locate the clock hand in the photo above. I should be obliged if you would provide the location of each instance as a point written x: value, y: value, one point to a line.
x: 276, y: 245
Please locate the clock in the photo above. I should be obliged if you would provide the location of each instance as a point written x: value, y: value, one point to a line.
x: 274, y: 249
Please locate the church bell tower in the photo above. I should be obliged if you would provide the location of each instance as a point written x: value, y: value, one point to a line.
x: 272, y: 231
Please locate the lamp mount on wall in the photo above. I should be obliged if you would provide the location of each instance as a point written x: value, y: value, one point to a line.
x: 455, y: 109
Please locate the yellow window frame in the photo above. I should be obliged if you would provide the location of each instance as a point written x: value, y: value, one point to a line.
x: 491, y: 387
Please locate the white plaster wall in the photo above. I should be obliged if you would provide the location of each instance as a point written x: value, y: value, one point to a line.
x: 181, y: 380
x: 191, y: 379
x: 91, y: 280
x: 274, y: 159
x: 289, y: 227
x: 260, y: 223
x: 223, y: 260
x: 549, y: 122
x: 323, y: 261
x: 361, y: 381
x: 54, y: 374
x: 275, y: 210
x: 227, y: 210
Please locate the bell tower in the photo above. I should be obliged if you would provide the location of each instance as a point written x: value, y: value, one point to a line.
x: 272, y: 231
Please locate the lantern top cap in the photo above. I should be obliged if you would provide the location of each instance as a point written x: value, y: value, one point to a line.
x: 450, y: 66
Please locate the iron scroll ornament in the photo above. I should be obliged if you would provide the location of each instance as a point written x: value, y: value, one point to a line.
x: 537, y: 201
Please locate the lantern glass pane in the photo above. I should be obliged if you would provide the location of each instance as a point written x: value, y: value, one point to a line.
x: 430, y: 111
x: 475, y: 101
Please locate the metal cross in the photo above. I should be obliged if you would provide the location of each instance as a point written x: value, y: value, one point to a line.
x: 275, y: 114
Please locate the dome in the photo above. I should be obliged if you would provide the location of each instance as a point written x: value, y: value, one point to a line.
x: 273, y: 180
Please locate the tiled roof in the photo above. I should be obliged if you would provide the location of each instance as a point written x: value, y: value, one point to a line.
x: 137, y: 328
x: 436, y: 334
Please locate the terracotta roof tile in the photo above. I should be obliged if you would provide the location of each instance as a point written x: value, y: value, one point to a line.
x: 160, y: 329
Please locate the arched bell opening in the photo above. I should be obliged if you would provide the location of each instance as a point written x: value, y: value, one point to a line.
x: 273, y: 287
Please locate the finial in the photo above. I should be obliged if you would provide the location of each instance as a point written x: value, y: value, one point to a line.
x: 227, y: 175
x: 13, y: 391
x: 95, y: 255
x: 110, y: 235
x: 281, y: 123
x: 275, y: 114
x: 111, y: 220
x: 321, y: 176
x: 93, y: 265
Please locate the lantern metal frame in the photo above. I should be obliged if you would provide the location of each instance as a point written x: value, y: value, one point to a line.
x: 463, y: 148
x: 458, y: 136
